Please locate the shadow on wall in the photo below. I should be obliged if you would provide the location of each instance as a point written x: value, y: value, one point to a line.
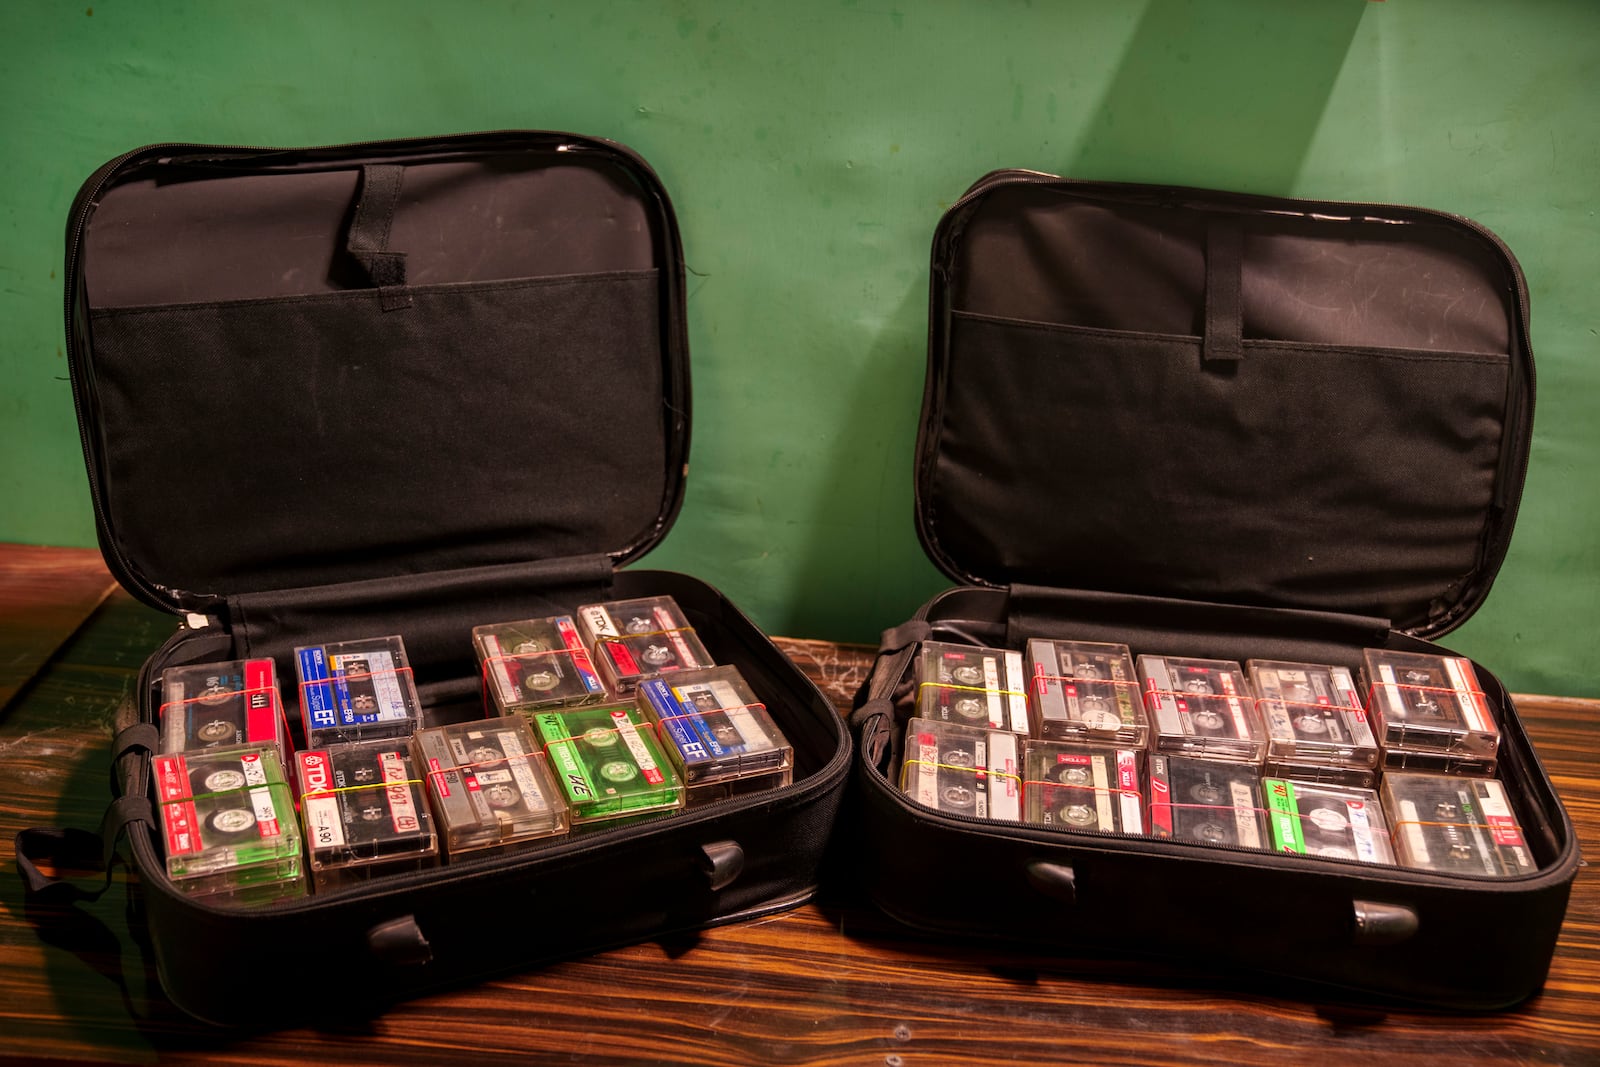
x: 861, y: 547
x: 1220, y: 95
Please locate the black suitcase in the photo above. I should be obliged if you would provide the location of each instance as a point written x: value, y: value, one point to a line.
x: 1229, y: 426
x: 406, y: 388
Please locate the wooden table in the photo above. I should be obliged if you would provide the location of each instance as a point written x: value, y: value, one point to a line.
x: 829, y: 983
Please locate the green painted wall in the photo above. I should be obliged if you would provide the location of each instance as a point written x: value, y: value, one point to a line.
x: 810, y: 148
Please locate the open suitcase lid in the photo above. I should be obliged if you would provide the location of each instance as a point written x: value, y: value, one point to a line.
x: 300, y: 367
x: 1241, y: 399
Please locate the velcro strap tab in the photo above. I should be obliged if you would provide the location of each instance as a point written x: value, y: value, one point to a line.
x: 369, y: 234
x: 1224, y: 306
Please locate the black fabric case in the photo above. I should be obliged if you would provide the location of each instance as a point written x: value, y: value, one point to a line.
x: 1216, y: 425
x: 406, y: 388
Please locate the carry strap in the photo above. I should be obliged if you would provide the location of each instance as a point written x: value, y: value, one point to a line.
x: 73, y: 849
x: 69, y: 848
x: 1224, y: 306
x: 368, y: 240
x: 874, y: 716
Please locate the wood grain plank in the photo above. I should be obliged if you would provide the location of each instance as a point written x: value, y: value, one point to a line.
x: 45, y: 595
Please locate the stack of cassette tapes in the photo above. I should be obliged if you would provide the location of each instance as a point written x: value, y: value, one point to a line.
x: 1083, y: 788
x: 1456, y: 824
x: 488, y: 785
x: 535, y: 664
x: 637, y: 639
x: 963, y: 770
x: 1289, y: 758
x: 364, y: 811
x: 356, y: 691
x: 608, y: 763
x: 1085, y: 691
x: 1431, y: 713
x: 228, y: 824
x: 222, y: 705
x: 1206, y: 801
x: 718, y: 736
x: 1332, y: 821
x: 1317, y: 729
x: 972, y: 687
x: 1203, y: 708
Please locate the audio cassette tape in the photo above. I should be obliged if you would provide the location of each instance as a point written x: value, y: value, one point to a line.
x: 608, y: 763
x: 535, y: 663
x: 488, y: 785
x: 716, y: 733
x: 1206, y: 801
x: 963, y: 770
x: 1332, y: 821
x: 972, y: 686
x: 1456, y: 825
x: 356, y: 691
x: 1429, y: 704
x: 1085, y: 691
x: 1202, y: 707
x: 364, y: 812
x: 228, y: 825
x: 221, y: 705
x: 637, y: 639
x: 1080, y: 788
x: 1317, y: 728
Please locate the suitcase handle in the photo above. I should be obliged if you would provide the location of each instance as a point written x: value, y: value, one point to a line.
x: 1054, y: 880
x: 1383, y: 924
x: 723, y: 862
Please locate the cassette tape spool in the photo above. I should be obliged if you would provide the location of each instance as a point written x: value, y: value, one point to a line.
x: 1329, y: 821
x: 364, y: 812
x: 1206, y: 801
x: 1081, y: 788
x: 1313, y: 716
x: 488, y: 785
x: 637, y: 639
x: 608, y: 763
x: 716, y: 733
x: 1424, y: 703
x: 221, y: 705
x: 963, y: 770
x: 228, y: 824
x: 1455, y: 825
x: 1202, y: 707
x: 356, y: 691
x: 1085, y: 691
x: 972, y: 686
x: 535, y: 663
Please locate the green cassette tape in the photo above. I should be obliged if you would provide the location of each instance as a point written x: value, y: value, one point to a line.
x: 608, y: 762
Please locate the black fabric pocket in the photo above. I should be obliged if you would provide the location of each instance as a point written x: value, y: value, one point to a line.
x: 1326, y: 477
x: 326, y: 439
